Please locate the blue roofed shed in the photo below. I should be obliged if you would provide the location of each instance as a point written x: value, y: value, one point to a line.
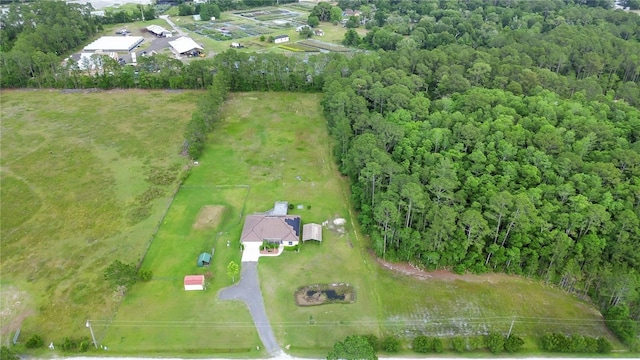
x: 204, y: 259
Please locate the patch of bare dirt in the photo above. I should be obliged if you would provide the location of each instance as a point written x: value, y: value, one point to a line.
x: 417, y: 273
x: 209, y: 217
x: 16, y: 306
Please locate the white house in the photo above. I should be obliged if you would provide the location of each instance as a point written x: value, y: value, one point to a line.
x: 281, y: 39
x: 194, y: 282
x: 274, y: 227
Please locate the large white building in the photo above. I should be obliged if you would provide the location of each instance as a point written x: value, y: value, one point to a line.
x: 185, y: 45
x: 108, y: 44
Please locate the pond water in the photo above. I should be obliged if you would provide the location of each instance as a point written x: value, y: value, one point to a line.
x: 331, y: 294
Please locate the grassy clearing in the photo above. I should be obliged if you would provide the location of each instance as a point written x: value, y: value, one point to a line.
x: 74, y: 169
x: 159, y: 316
x: 277, y: 145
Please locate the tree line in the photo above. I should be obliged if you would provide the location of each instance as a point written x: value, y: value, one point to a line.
x: 480, y: 138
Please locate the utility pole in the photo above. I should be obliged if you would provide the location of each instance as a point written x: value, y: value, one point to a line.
x: 511, y: 327
x: 88, y: 324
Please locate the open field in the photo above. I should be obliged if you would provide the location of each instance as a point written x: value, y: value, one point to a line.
x: 270, y: 146
x: 269, y: 151
x: 79, y: 189
x: 159, y: 316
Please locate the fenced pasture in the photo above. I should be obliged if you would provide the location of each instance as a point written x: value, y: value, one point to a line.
x: 159, y: 316
x: 85, y: 177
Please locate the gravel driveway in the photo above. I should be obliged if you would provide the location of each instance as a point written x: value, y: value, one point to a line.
x: 248, y: 290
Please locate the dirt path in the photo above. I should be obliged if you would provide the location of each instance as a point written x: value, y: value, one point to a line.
x: 410, y: 270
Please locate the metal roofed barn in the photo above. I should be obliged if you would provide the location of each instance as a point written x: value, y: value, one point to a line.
x: 185, y: 45
x: 114, y: 44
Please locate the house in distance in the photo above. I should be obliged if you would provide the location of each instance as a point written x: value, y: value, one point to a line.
x: 281, y: 39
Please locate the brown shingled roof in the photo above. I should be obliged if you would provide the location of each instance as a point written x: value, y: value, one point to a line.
x: 258, y: 228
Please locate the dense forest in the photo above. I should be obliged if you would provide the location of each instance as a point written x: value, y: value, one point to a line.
x: 478, y: 135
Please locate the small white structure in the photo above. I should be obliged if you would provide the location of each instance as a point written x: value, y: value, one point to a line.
x: 194, y: 282
x: 281, y: 39
x: 185, y: 45
x: 302, y: 27
x: 158, y: 31
x: 108, y: 44
x: 236, y: 45
x: 312, y: 232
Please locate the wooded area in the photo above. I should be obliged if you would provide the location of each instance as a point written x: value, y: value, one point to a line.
x: 479, y: 136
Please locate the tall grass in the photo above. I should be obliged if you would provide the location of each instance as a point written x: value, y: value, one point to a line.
x: 74, y: 171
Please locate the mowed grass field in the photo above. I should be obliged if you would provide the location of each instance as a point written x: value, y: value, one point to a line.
x: 277, y: 145
x: 76, y: 195
x: 267, y: 147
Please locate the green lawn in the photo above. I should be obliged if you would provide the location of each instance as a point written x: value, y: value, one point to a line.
x: 74, y: 177
x: 74, y: 168
x: 159, y: 316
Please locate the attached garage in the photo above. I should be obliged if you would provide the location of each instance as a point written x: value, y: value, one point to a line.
x: 194, y: 282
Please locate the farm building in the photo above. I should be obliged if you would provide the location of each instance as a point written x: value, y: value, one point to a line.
x: 158, y: 31
x: 194, y: 282
x: 186, y: 46
x: 204, y: 259
x: 281, y: 39
x: 108, y: 44
x: 312, y: 232
x: 319, y: 32
x: 275, y: 226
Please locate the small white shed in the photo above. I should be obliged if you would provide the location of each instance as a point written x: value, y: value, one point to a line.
x: 194, y: 282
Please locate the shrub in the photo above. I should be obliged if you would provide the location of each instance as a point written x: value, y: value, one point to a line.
x: 34, y: 342
x: 604, y: 346
x: 292, y: 248
x: 373, y: 341
x: 69, y: 344
x: 437, y: 345
x: 495, y: 342
x: 577, y: 343
x: 8, y: 354
x: 390, y: 344
x: 458, y: 344
x: 590, y: 345
x: 120, y: 274
x: 475, y: 342
x: 620, y: 323
x: 421, y: 344
x: 146, y: 275
x: 262, y: 38
x: 513, y: 344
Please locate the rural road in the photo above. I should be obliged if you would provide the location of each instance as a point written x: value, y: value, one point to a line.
x: 248, y: 290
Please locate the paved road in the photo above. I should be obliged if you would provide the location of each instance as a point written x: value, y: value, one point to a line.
x: 248, y: 290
